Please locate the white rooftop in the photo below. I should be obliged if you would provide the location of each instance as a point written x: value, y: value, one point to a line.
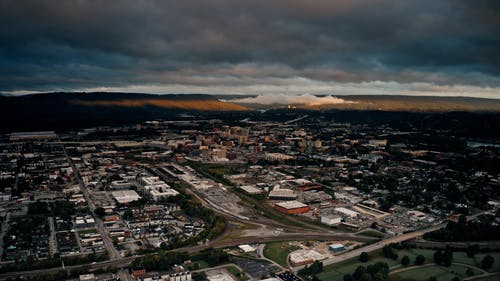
x: 125, y: 196
x: 291, y: 204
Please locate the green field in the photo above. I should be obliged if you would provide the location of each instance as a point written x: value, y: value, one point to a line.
x: 278, y: 252
x: 371, y: 233
x: 495, y: 255
x: 87, y: 231
x: 337, y: 271
x: 488, y: 278
x: 425, y: 272
x: 237, y: 273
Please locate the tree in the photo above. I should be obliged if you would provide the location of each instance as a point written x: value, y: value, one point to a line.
x: 455, y: 279
x: 405, y: 260
x: 469, y: 272
x: 365, y: 277
x: 360, y: 270
x: 315, y: 268
x: 388, y: 252
x: 447, y: 256
x: 364, y: 257
x: 100, y: 212
x: 487, y: 262
x: 432, y: 278
x: 348, y: 277
x: 128, y: 215
x: 378, y: 277
x: 438, y: 256
x: 472, y: 250
x: 419, y: 260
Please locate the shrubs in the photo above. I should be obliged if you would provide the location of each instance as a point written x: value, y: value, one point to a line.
x: 419, y: 260
x: 405, y: 261
x: 487, y: 262
x: 364, y: 257
x: 374, y: 272
x: 389, y: 253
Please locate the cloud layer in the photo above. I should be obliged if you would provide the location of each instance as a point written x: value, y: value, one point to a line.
x: 252, y: 47
x: 305, y: 99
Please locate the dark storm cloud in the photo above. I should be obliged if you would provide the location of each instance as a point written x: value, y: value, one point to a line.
x: 47, y: 45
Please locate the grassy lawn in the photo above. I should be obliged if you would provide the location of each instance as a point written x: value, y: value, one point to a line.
x: 201, y: 265
x: 495, y: 255
x: 337, y: 271
x: 425, y: 272
x: 87, y: 231
x: 488, y: 278
x: 371, y: 233
x: 413, y: 253
x: 237, y: 273
x: 278, y: 252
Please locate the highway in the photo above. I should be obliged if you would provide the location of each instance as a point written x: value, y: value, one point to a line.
x: 376, y: 246
x: 382, y: 243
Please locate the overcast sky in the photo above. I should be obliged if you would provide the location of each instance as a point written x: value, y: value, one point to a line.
x: 435, y: 47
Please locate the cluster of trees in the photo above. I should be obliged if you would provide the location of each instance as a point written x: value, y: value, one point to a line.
x: 487, y: 262
x: 64, y: 209
x: 364, y: 257
x: 419, y: 260
x: 161, y: 260
x: 388, y: 252
x: 215, y: 224
x: 373, y: 272
x: 100, y: 212
x: 54, y: 262
x: 443, y: 257
x: 462, y: 230
x: 312, y: 270
x: 165, y: 260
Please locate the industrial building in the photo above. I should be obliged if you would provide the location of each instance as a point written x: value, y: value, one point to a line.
x: 291, y: 207
x: 251, y: 189
x: 125, y: 196
x: 282, y: 194
x: 336, y: 247
x: 347, y: 212
x: 331, y: 220
x: 302, y: 257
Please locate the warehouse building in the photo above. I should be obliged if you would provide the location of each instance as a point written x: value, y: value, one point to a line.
x: 282, y: 194
x: 331, y: 220
x: 291, y: 207
x: 302, y: 257
x: 336, y: 247
x: 347, y: 212
x: 125, y: 196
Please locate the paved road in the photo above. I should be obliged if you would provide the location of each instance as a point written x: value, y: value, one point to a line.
x: 5, y: 227
x: 52, y: 239
x: 387, y: 241
x: 112, y: 251
x: 482, y: 276
x: 376, y: 246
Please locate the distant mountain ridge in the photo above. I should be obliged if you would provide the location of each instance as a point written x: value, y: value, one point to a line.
x: 377, y: 103
x: 62, y: 111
